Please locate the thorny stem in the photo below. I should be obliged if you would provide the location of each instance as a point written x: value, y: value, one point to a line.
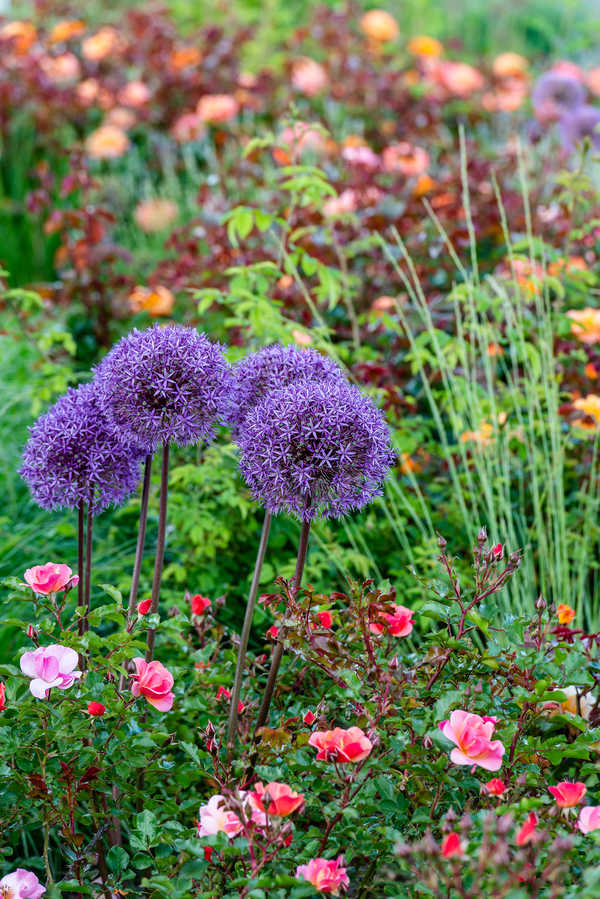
x: 245, y: 635
x: 160, y: 547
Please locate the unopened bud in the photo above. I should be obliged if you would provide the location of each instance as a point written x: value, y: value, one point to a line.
x: 541, y: 604
x: 482, y: 536
x: 441, y: 542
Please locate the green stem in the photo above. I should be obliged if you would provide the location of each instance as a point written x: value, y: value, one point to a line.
x: 160, y: 547
x: 245, y: 635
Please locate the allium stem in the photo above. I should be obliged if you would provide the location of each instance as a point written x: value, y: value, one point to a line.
x: 278, y: 651
x: 80, y: 543
x: 88, y: 566
x: 160, y: 547
x: 245, y: 635
x: 139, y: 551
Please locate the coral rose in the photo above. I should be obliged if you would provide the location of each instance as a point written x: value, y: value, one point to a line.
x: 405, y: 158
x: 568, y: 794
x: 495, y: 786
x: 200, y: 604
x: 451, y: 845
x: 217, y: 108
x: 66, y: 31
x: 153, y: 681
x: 155, y: 300
x: 379, y: 25
x: 326, y: 875
x: 100, y: 45
x: 350, y: 745
x: 565, y: 613
x: 96, y: 709
x: 472, y: 735
x: 106, y: 142
x: 282, y: 800
x: 155, y: 214
x: 527, y: 830
x: 398, y: 623
x: 423, y: 45
x: 50, y: 578
x: 585, y: 324
x: 509, y: 65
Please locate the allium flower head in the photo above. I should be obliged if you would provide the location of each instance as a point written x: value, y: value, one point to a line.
x: 579, y: 123
x: 164, y: 384
x: 272, y: 368
x: 316, y: 448
x: 74, y: 454
x: 555, y: 93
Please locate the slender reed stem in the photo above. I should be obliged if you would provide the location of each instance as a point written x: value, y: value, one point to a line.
x: 245, y: 635
x: 88, y: 565
x: 278, y: 651
x: 139, y: 551
x: 160, y: 547
x: 80, y: 555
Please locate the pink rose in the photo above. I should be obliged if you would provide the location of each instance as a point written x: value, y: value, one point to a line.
x: 452, y: 845
x: 218, y: 816
x: 215, y: 817
x: 472, y: 735
x: 326, y: 875
x: 398, y: 623
x: 527, y: 830
x: 589, y: 818
x: 50, y: 666
x: 568, y: 794
x: 350, y: 745
x: 153, y: 681
x: 2, y: 697
x: 50, y: 578
x: 21, y: 884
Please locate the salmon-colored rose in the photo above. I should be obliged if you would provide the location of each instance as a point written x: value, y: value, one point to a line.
x: 282, y: 800
x: 379, y: 25
x: 107, y: 142
x: 351, y: 745
x: 155, y: 300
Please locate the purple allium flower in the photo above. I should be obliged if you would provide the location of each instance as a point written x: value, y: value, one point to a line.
x: 556, y: 93
x: 73, y: 454
x: 270, y: 369
x: 315, y: 448
x: 578, y: 124
x: 164, y: 383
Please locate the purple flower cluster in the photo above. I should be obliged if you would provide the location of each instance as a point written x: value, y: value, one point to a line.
x: 164, y: 384
x: 315, y: 448
x: 560, y: 97
x: 270, y: 369
x: 73, y: 455
x: 556, y: 93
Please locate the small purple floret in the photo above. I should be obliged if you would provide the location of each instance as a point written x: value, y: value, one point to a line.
x: 73, y: 455
x: 272, y: 368
x: 164, y: 384
x: 556, y: 93
x: 315, y: 449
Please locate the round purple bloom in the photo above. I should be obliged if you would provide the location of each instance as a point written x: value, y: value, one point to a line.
x: 164, y: 384
x: 73, y: 454
x: 270, y: 369
x: 315, y: 448
x: 554, y: 94
x: 582, y: 122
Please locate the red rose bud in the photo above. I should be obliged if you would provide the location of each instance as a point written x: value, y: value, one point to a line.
x: 325, y: 619
x: 200, y: 604
x: 143, y: 607
x: 96, y: 709
x: 208, y: 851
x: 241, y: 707
x: 32, y: 633
x: 497, y: 551
x: 309, y: 718
x: 273, y: 632
x: 223, y: 693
